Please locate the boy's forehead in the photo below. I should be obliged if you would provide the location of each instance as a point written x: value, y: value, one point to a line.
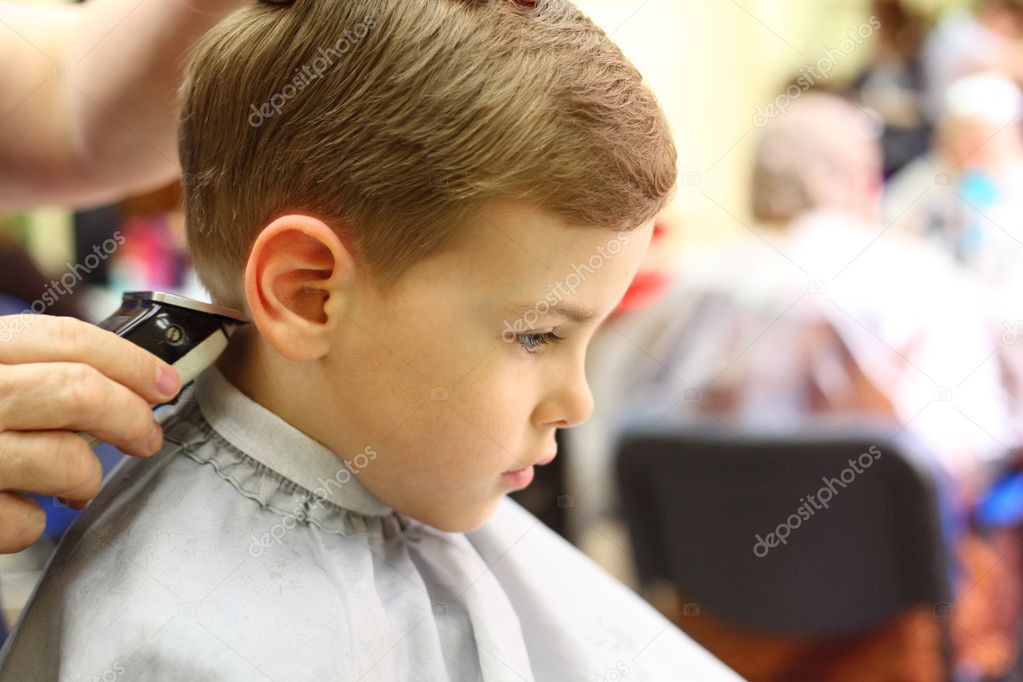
x: 506, y: 215
x: 535, y: 239
x: 515, y: 255
x: 512, y: 241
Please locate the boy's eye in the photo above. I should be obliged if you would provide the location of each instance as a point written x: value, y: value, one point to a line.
x: 531, y: 343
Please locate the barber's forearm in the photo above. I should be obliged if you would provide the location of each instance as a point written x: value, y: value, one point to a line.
x: 129, y: 65
x: 100, y: 124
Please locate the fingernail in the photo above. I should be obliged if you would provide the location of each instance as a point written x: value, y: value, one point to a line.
x: 167, y: 380
x: 155, y: 439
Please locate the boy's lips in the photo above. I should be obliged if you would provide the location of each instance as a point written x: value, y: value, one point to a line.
x: 520, y: 479
x: 547, y: 459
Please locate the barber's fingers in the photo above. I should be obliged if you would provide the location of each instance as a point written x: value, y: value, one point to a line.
x: 57, y: 463
x: 22, y: 521
x: 68, y: 396
x: 44, y: 338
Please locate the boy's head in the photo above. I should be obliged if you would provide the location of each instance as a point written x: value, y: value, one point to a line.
x: 401, y: 193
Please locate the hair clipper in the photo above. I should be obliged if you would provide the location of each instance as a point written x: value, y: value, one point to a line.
x: 189, y: 335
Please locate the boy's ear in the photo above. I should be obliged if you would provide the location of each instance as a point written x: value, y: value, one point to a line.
x: 296, y: 265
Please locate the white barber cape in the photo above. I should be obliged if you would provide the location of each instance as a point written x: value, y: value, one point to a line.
x: 245, y: 550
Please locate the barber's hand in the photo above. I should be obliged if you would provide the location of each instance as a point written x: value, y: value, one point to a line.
x: 59, y: 376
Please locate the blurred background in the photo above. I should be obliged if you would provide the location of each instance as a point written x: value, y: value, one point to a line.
x: 805, y: 449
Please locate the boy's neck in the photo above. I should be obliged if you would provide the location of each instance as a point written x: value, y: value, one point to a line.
x: 246, y: 367
x: 236, y: 363
x: 286, y: 390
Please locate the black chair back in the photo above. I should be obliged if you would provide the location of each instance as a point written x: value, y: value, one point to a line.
x: 825, y: 533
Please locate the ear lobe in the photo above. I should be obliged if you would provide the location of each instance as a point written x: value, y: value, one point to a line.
x: 296, y: 265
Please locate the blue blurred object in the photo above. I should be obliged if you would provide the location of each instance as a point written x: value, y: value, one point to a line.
x: 12, y: 306
x: 1003, y: 504
x: 980, y: 195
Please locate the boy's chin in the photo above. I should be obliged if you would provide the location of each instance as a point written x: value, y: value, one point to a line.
x: 462, y: 522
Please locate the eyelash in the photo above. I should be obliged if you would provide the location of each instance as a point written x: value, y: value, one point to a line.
x: 538, y: 340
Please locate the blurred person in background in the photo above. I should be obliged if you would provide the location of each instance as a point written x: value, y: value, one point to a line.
x: 966, y: 196
x: 817, y: 315
x: 892, y: 84
x: 966, y: 42
x: 817, y: 311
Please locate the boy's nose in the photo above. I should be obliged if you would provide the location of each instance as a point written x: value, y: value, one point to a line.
x: 581, y: 406
x: 570, y: 406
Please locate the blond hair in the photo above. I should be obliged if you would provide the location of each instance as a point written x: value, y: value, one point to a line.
x: 393, y: 120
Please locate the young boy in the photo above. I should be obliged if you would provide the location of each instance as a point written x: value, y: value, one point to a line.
x: 426, y: 207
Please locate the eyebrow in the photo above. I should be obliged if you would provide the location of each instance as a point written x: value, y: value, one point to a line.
x: 574, y: 313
